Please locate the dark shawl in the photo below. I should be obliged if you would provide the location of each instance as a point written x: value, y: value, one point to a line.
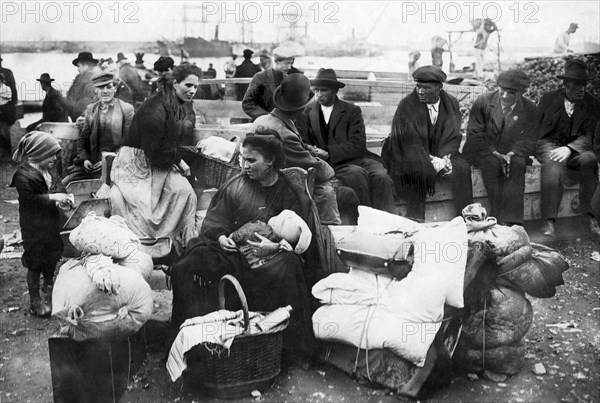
x: 160, y: 128
x: 408, y: 147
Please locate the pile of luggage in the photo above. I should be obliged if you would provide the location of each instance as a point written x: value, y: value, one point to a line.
x: 103, y: 294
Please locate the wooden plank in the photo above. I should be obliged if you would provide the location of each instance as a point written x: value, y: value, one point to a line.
x: 60, y: 131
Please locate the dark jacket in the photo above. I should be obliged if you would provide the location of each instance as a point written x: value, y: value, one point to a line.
x: 585, y: 117
x: 159, y: 130
x: 53, y: 107
x: 80, y: 94
x: 130, y: 76
x: 346, y: 141
x: 8, y: 112
x: 89, y: 146
x: 123, y: 92
x: 246, y: 69
x: 38, y: 215
x: 488, y: 130
x: 258, y: 99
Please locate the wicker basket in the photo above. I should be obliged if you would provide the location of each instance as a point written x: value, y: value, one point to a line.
x: 250, y: 364
x: 217, y: 172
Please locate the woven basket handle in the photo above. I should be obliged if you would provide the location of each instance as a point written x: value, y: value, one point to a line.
x: 240, y: 293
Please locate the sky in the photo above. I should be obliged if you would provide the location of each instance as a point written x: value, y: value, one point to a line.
x: 522, y: 23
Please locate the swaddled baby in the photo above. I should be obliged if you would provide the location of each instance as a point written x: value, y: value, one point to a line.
x: 259, y: 242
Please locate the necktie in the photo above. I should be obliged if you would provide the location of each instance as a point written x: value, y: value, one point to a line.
x: 432, y: 114
x: 506, y: 110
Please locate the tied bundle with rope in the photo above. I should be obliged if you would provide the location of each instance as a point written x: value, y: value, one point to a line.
x: 496, y: 323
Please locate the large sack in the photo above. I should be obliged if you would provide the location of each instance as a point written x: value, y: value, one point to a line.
x: 440, y: 254
x: 539, y: 275
x: 373, y: 311
x: 140, y: 262
x: 504, y: 319
x: 107, y: 236
x: 87, y: 313
x: 506, y: 360
x: 515, y: 259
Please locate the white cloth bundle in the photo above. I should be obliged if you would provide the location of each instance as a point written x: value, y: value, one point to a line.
x: 218, y: 147
x: 107, y: 236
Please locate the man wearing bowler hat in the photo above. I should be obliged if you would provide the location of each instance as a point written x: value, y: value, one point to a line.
x: 423, y: 145
x: 335, y: 132
x: 290, y: 99
x: 105, y: 124
x: 246, y: 69
x: 501, y: 136
x: 567, y: 120
x: 258, y: 99
x: 81, y: 93
x: 53, y: 107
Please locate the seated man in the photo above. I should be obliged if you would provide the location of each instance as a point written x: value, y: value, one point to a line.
x: 423, y: 144
x: 290, y: 98
x: 501, y: 135
x: 258, y: 99
x: 105, y: 124
x: 567, y: 120
x: 336, y: 133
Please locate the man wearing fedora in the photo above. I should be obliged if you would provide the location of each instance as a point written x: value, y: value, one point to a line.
x: 567, y: 120
x: 423, y: 145
x: 81, y: 93
x: 130, y: 76
x: 562, y: 41
x: 246, y: 69
x: 258, y: 99
x: 501, y: 135
x: 335, y: 132
x: 105, y: 124
x: 8, y: 113
x: 53, y: 107
x: 290, y: 99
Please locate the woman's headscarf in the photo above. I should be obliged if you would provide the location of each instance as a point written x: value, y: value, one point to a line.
x: 35, y: 147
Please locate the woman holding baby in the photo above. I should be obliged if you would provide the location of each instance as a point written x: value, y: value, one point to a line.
x: 236, y: 239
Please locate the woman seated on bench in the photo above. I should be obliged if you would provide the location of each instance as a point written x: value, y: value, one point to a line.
x: 149, y: 173
x: 260, y: 192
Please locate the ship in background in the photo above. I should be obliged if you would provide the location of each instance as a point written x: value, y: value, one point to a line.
x: 294, y: 34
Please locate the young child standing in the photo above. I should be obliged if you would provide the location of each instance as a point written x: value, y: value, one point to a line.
x: 39, y: 196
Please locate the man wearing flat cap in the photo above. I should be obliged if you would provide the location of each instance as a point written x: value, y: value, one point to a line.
x: 562, y: 41
x: 246, y: 69
x: 258, y: 99
x: 163, y: 65
x: 335, y: 132
x: 122, y: 90
x: 567, y: 120
x: 501, y: 135
x: 81, y: 93
x: 423, y: 145
x: 105, y: 124
x: 290, y: 99
x: 54, y: 107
